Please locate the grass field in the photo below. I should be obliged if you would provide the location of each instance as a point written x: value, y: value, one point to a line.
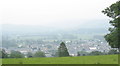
x: 103, y: 59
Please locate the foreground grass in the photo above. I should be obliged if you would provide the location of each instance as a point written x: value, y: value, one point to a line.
x: 103, y: 59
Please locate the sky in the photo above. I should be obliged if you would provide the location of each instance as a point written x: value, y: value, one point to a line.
x: 52, y: 12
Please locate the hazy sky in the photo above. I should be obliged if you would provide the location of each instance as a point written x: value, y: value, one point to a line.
x: 52, y: 12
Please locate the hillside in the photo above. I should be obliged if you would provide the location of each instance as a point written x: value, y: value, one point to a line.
x: 103, y: 59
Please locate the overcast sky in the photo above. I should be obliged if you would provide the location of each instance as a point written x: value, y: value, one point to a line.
x: 52, y: 12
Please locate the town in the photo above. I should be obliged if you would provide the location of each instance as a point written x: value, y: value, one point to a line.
x: 50, y: 46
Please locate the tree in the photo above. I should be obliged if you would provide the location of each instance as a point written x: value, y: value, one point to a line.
x: 82, y: 53
x: 16, y: 54
x: 113, y: 38
x: 39, y: 54
x: 62, y: 50
x: 113, y: 52
x: 96, y: 53
x: 3, y: 54
x: 78, y: 54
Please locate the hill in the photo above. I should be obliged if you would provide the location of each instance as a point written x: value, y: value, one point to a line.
x: 102, y: 59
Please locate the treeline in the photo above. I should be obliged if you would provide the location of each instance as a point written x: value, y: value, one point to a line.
x: 83, y: 53
x: 61, y: 52
x: 17, y: 54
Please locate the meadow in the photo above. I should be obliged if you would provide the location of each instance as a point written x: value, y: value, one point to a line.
x: 100, y: 59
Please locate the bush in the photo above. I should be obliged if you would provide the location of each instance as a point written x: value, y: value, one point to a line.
x: 29, y: 54
x: 16, y: 54
x: 39, y: 54
x: 113, y: 52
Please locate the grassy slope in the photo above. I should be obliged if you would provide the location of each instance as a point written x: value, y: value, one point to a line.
x: 103, y: 59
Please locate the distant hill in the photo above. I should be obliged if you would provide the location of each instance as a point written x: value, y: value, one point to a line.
x: 93, y: 26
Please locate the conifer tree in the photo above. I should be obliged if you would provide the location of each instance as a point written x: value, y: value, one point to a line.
x: 62, y: 50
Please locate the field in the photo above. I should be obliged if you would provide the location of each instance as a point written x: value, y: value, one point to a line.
x: 103, y: 59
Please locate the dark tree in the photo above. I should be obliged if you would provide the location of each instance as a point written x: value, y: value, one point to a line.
x: 113, y: 38
x: 62, y: 50
x: 82, y: 53
x: 78, y: 54
x: 3, y: 54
